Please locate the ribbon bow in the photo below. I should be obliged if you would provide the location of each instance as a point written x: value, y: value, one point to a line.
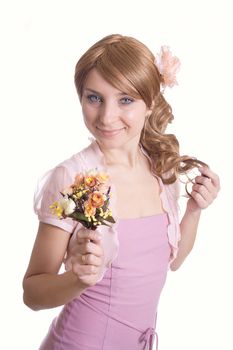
x: 148, y: 337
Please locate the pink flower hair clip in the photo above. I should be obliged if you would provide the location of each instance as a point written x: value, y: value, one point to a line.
x: 168, y: 66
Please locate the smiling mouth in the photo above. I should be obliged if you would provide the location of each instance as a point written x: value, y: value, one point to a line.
x: 110, y: 132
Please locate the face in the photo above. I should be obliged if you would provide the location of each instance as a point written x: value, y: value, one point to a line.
x: 113, y: 117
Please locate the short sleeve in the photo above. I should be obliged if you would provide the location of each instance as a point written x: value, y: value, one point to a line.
x: 48, y: 191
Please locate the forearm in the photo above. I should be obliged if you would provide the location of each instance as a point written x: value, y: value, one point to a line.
x: 188, y: 228
x: 46, y: 291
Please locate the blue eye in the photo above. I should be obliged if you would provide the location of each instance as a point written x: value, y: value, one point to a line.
x: 127, y: 100
x: 97, y: 99
x: 94, y: 98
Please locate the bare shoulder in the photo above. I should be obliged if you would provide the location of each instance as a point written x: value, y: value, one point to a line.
x: 48, y: 251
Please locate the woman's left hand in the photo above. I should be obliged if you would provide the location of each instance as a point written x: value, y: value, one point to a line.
x: 204, y: 190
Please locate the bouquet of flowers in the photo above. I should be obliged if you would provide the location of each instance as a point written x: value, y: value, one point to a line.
x: 86, y: 200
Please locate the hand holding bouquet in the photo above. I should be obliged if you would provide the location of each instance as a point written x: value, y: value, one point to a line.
x: 86, y: 200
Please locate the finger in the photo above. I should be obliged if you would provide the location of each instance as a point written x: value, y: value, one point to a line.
x: 90, y: 259
x: 86, y: 247
x: 82, y: 270
x: 199, y: 199
x: 91, y: 248
x: 205, y: 182
x: 89, y: 270
x: 89, y: 235
x: 82, y: 260
x: 204, y: 192
x: 209, y: 173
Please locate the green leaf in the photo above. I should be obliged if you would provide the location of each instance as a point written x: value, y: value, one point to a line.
x: 105, y: 206
x: 110, y: 219
x: 79, y: 217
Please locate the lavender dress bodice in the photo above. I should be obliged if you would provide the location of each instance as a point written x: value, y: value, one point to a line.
x: 120, y: 311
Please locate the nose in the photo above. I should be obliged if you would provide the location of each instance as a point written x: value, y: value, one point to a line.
x: 108, y: 113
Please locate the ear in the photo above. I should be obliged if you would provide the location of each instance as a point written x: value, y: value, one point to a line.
x: 149, y: 110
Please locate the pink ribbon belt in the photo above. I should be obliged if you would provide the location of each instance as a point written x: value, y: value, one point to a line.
x: 147, y: 335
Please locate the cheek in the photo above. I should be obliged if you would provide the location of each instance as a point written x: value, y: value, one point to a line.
x: 136, y: 117
x: 88, y: 113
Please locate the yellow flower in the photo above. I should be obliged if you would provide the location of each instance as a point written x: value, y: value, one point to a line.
x: 58, y: 212
x: 79, y: 194
x: 107, y: 213
x: 53, y: 205
x: 56, y: 209
x: 101, y: 212
x: 93, y: 218
x: 102, y: 177
x: 64, y: 205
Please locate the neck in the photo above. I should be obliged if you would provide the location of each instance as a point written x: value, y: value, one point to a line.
x: 128, y: 156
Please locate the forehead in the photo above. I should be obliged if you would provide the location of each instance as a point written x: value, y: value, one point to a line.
x: 95, y: 81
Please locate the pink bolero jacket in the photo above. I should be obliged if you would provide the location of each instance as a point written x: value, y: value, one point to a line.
x: 61, y: 176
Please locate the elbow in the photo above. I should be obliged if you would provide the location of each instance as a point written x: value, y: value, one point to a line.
x: 28, y: 296
x: 29, y: 303
x: 174, y: 267
x: 178, y: 261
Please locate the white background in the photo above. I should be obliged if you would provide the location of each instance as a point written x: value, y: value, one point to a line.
x: 41, y: 125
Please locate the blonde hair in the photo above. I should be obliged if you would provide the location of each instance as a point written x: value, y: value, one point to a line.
x: 128, y: 65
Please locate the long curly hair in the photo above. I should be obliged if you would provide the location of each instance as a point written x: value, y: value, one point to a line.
x: 128, y: 65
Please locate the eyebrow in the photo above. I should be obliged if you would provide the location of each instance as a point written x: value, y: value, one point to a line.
x: 98, y: 93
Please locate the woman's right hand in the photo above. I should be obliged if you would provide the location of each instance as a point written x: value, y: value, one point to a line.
x: 87, y: 257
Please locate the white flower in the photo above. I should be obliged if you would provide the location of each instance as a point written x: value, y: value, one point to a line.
x: 67, y: 204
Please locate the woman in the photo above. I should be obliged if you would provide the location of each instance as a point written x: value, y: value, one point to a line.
x: 114, y: 275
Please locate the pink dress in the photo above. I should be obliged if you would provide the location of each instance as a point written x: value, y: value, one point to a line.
x: 119, y: 312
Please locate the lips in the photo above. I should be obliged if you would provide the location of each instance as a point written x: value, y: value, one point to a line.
x: 110, y: 132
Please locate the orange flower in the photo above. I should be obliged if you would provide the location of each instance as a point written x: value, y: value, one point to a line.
x: 78, y: 180
x: 89, y: 209
x: 97, y: 199
x: 90, y: 180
